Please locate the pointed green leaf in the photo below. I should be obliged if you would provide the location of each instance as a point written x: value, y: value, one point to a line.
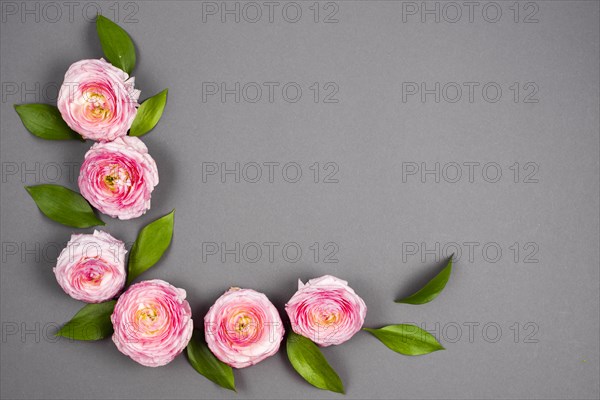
x: 149, y: 114
x: 432, y: 289
x: 309, y: 362
x: 64, y: 206
x: 92, y: 322
x: 407, y: 339
x: 116, y: 44
x: 203, y: 361
x: 45, y: 122
x: 150, y: 245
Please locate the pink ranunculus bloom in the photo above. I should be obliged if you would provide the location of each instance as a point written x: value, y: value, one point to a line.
x: 243, y: 328
x: 98, y: 100
x: 152, y: 322
x: 326, y: 310
x: 118, y: 177
x: 92, y: 267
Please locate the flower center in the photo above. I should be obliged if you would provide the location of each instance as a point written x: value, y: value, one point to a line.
x: 94, y: 278
x: 148, y: 313
x: 243, y: 327
x: 91, y: 272
x: 150, y: 321
x: 326, y: 317
x: 242, y: 323
x: 116, y: 177
x: 97, y: 106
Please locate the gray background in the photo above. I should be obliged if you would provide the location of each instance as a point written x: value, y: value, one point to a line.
x: 372, y: 214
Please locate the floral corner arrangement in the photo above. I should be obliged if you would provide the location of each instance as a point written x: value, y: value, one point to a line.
x: 150, y: 321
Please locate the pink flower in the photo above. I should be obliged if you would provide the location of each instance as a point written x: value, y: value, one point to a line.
x: 152, y: 322
x: 326, y: 310
x: 98, y: 100
x: 243, y: 328
x: 92, y: 267
x: 118, y: 177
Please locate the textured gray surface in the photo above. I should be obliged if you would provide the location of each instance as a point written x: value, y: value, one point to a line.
x: 374, y: 214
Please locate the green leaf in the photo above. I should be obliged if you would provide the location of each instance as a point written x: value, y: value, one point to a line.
x: 45, y: 121
x: 309, y: 362
x: 432, y: 289
x: 116, y: 44
x: 64, y: 206
x: 149, y: 114
x: 203, y: 361
x: 92, y: 322
x: 150, y: 245
x: 407, y: 339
